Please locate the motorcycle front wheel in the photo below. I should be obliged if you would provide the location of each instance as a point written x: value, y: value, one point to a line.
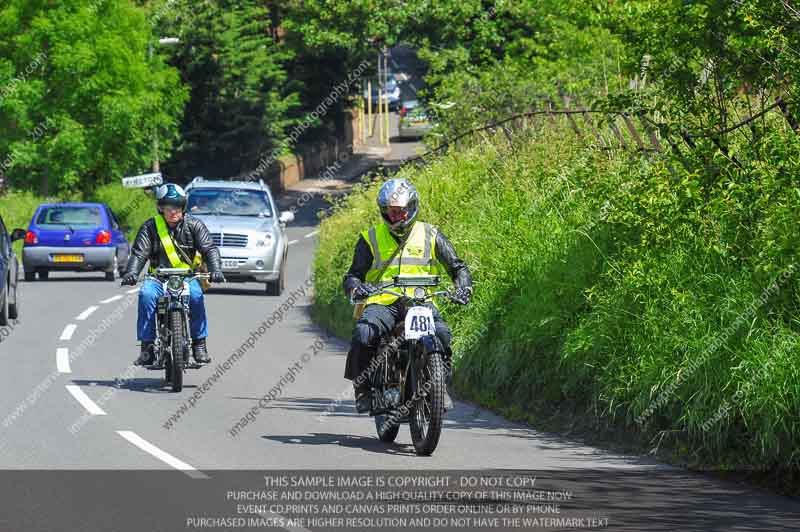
x: 178, y: 340
x: 427, y: 411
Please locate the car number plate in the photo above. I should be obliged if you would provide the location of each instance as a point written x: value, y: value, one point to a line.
x: 67, y: 258
x: 419, y: 322
x: 230, y: 263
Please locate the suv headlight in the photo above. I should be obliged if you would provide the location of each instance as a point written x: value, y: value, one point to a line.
x: 264, y: 241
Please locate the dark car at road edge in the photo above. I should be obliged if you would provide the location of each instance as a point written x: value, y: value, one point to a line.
x: 9, y: 274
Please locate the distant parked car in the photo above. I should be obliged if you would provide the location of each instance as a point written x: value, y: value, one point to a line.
x: 391, y: 91
x: 245, y: 224
x: 74, y: 237
x: 9, y: 274
x: 414, y: 121
x: 407, y: 105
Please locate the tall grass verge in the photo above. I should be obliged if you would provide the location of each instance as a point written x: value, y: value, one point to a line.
x: 615, y: 290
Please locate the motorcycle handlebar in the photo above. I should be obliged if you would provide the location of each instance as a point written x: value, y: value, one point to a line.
x: 441, y: 293
x: 189, y: 277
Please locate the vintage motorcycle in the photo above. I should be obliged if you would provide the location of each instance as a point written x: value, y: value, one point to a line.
x: 407, y: 375
x: 172, y: 346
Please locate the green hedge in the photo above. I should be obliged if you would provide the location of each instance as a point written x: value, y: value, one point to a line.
x: 614, y: 291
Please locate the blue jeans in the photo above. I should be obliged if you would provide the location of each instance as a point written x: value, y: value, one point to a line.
x: 148, y: 301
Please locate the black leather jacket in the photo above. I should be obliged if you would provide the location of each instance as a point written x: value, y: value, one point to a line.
x: 190, y: 236
x: 445, y: 253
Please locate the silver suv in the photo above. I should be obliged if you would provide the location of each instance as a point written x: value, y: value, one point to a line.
x: 244, y: 223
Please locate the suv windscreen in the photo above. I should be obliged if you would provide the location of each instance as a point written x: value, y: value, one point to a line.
x: 70, y: 216
x: 229, y: 202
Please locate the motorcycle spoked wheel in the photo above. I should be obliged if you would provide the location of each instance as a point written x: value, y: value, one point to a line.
x: 427, y: 411
x: 178, y: 340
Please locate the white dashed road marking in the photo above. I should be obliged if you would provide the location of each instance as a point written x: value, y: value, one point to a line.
x: 110, y: 299
x: 164, y: 456
x: 62, y: 360
x: 84, y: 400
x: 69, y: 330
x: 312, y: 233
x: 86, y: 313
x: 293, y: 242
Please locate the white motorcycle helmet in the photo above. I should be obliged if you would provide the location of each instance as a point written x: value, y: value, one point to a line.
x: 399, y: 193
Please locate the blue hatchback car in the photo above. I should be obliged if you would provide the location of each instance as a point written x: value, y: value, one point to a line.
x: 74, y: 237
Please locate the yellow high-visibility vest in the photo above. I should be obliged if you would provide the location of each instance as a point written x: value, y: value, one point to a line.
x: 169, y: 246
x: 418, y: 257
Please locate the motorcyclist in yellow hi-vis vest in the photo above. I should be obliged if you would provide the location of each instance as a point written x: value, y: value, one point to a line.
x: 401, y: 245
x: 172, y: 239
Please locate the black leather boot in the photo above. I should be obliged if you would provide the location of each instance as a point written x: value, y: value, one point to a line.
x: 363, y: 399
x: 145, y: 355
x: 199, y: 351
x: 448, y: 380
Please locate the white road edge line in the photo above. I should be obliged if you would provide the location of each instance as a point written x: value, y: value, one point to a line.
x: 293, y: 242
x: 69, y: 330
x: 86, y: 313
x: 132, y: 291
x: 62, y: 360
x: 164, y: 456
x: 84, y: 400
x: 312, y: 233
x: 110, y: 299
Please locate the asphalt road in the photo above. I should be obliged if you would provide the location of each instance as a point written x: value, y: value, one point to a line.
x: 71, y: 400
x: 90, y: 442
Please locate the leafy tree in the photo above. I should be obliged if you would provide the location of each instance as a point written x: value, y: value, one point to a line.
x: 79, y: 99
x: 241, y: 94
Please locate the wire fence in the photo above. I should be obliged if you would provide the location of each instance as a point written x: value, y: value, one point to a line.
x: 617, y: 129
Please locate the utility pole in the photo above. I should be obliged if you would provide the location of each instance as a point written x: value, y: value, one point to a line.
x: 163, y: 40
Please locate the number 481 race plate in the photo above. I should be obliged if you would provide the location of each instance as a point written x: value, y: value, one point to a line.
x: 419, y: 322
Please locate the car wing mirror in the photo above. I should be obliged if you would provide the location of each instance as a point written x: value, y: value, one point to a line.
x: 286, y: 217
x: 17, y: 234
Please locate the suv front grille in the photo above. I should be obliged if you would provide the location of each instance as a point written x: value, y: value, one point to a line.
x: 230, y: 240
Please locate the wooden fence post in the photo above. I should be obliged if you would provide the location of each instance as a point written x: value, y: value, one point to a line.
x: 617, y: 132
x: 566, y: 100
x: 786, y: 114
x: 587, y: 119
x: 651, y: 132
x: 632, y: 131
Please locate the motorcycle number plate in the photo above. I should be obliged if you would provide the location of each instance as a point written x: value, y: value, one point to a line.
x: 419, y: 323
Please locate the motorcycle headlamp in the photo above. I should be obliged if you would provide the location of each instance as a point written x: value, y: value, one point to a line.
x: 175, y: 283
x: 419, y: 292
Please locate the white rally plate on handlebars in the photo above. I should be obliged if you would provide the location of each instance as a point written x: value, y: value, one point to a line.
x: 419, y: 322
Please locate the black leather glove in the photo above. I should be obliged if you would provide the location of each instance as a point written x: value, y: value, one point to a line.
x: 363, y: 291
x: 129, y: 279
x: 217, y: 277
x: 462, y: 295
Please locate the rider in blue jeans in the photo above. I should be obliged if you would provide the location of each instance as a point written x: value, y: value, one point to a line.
x: 172, y: 239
